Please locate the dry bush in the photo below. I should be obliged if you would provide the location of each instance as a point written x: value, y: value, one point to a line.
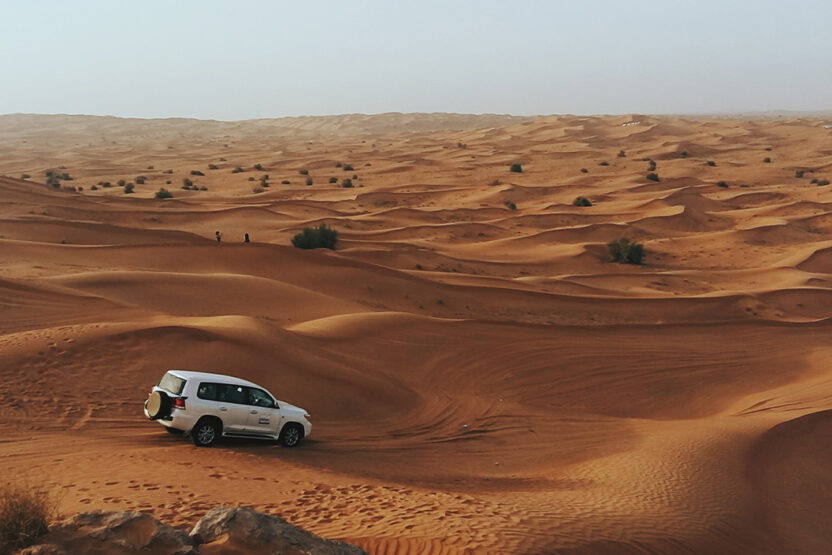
x: 25, y: 514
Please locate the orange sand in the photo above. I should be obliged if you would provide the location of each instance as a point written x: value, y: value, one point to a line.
x: 480, y: 378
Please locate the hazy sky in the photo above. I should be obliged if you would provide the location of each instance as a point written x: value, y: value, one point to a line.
x: 248, y: 59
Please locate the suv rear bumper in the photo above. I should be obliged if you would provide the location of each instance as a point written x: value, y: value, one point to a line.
x: 178, y: 419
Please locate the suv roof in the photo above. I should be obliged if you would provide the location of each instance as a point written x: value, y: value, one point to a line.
x: 190, y: 374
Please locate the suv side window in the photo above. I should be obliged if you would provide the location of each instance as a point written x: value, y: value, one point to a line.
x: 207, y: 391
x: 232, y: 394
x: 259, y: 398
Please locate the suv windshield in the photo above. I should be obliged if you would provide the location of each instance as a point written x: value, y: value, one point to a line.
x: 172, y: 383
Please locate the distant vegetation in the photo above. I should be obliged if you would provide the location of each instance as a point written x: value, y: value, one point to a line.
x: 196, y: 172
x: 257, y: 189
x: 767, y: 160
x: 316, y: 238
x: 653, y: 176
x: 516, y: 168
x: 622, y: 154
x: 121, y: 182
x: 710, y: 163
x: 140, y: 179
x: 163, y: 193
x: 584, y: 170
x: 625, y: 251
x: 304, y: 171
x: 798, y: 173
x: 308, y: 181
x: 348, y: 168
x: 333, y: 180
x: 603, y: 163
x: 346, y: 182
x: 213, y: 167
x: 581, y: 201
x: 187, y: 183
x: 128, y: 189
x: 54, y: 178
x: 722, y: 184
x: 238, y: 169
x: 651, y: 166
x: 511, y: 205
x: 258, y: 167
x: 286, y: 182
x: 823, y: 182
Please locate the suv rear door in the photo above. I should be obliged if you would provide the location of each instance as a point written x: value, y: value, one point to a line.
x: 233, y: 407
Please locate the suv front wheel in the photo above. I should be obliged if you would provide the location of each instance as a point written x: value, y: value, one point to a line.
x: 290, y: 435
x: 205, y: 433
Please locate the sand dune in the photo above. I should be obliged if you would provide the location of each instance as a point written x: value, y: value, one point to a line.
x: 481, y: 377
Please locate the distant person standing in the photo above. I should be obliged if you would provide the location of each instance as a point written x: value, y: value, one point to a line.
x: 247, y: 239
x: 219, y: 237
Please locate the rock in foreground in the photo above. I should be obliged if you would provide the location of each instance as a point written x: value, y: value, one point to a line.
x: 222, y: 531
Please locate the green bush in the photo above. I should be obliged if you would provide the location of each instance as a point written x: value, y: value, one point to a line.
x: 308, y: 181
x: 122, y: 182
x: 346, y: 183
x: 24, y: 516
x: 625, y: 251
x: 238, y: 169
x: 163, y: 193
x: 348, y: 168
x: 722, y: 184
x: 798, y: 173
x: 710, y: 163
x: 213, y: 167
x: 604, y: 163
x: 258, y: 167
x: 187, y: 183
x: 767, y: 160
x: 581, y: 201
x: 196, y: 172
x: 516, y: 168
x: 128, y: 189
x: 653, y: 176
x: 316, y: 238
x: 333, y: 180
x: 511, y: 205
x: 140, y: 179
x: 304, y: 172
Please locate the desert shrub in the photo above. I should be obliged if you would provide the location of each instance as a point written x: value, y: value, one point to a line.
x: 264, y: 184
x: 621, y: 154
x: 105, y: 184
x: 516, y: 168
x: 94, y: 187
x: 257, y: 189
x: 203, y: 188
x: 710, y: 163
x: 121, y: 182
x: 653, y: 176
x: 308, y: 181
x: 348, y: 168
x: 196, y: 172
x: 625, y: 251
x: 823, y: 182
x: 168, y: 182
x: 316, y: 238
x: 213, y: 167
x: 768, y: 148
x: 129, y: 188
x: 338, y: 164
x: 163, y: 193
x: 150, y: 167
x: 813, y: 181
x: 251, y: 178
x: 346, y: 182
x: 722, y: 184
x: 238, y: 169
x: 187, y: 183
x: 511, y: 205
x: 798, y: 173
x: 333, y: 180
x: 140, y: 179
x: 286, y: 182
x: 495, y: 183
x: 258, y: 167
x: 683, y: 154
x: 603, y: 163
x: 767, y: 160
x: 584, y: 170
x: 168, y: 172
x: 304, y: 171
x: 24, y: 516
x: 69, y: 188
x: 581, y: 201
x: 651, y: 167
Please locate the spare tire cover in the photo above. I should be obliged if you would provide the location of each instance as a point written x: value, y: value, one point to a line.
x: 158, y: 405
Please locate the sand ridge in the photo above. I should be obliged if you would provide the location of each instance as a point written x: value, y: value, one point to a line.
x: 481, y: 377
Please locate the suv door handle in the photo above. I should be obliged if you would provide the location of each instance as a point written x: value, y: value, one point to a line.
x: 254, y: 412
x: 223, y: 408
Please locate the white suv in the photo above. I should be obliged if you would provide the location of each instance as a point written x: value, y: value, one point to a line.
x: 207, y: 406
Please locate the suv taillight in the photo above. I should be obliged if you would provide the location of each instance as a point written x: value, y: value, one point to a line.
x: 179, y: 403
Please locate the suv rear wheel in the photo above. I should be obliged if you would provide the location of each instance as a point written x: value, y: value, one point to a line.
x: 205, y: 432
